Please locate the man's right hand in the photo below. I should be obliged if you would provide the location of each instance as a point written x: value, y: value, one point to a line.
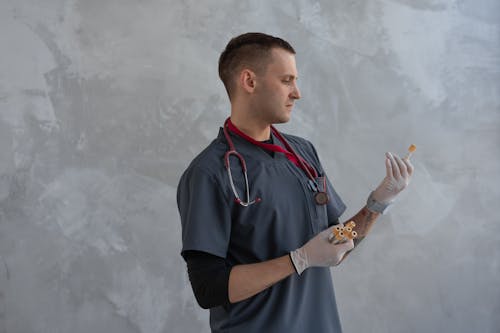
x: 319, y: 252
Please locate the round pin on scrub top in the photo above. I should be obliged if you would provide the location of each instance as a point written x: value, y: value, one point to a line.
x: 321, y: 198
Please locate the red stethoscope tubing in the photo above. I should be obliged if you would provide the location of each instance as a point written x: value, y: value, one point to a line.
x: 321, y: 197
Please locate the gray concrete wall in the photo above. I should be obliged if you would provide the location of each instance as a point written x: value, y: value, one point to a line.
x: 104, y: 103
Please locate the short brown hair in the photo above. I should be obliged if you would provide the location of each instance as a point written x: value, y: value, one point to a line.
x: 252, y: 50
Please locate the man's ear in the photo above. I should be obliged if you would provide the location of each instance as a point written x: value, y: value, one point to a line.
x: 247, y: 80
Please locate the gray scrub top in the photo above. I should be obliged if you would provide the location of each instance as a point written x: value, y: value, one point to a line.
x: 285, y: 219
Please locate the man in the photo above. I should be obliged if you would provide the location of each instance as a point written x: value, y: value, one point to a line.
x: 257, y: 249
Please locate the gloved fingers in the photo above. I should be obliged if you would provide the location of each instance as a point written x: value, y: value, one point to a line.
x: 409, y: 166
x: 341, y: 249
x: 402, y: 167
x: 329, y: 230
x: 388, y: 166
x: 333, y: 231
x: 394, y: 166
x: 346, y: 246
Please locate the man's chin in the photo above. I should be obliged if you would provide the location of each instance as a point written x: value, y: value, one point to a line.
x: 281, y: 120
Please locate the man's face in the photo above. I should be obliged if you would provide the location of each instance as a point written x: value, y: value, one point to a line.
x: 276, y: 90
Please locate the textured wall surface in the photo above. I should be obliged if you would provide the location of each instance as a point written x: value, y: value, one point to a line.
x: 104, y: 103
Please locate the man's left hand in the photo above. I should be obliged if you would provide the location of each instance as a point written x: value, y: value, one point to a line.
x: 398, y: 175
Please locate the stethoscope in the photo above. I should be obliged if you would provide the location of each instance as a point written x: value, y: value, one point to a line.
x: 321, y: 197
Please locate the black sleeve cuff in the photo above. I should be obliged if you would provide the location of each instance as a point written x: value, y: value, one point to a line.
x: 209, y: 277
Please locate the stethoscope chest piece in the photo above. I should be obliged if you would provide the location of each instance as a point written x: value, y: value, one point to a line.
x: 321, y: 198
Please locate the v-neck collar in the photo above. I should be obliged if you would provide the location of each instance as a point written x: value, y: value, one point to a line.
x: 247, y: 148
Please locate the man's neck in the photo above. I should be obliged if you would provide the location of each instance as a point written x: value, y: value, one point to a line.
x: 251, y: 127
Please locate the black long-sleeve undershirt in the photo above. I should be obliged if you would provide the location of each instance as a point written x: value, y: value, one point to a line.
x: 209, y: 277
x: 209, y: 274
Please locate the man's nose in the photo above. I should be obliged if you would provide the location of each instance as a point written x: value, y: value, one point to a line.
x: 295, y: 94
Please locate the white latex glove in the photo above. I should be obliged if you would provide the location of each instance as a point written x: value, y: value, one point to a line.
x: 398, y: 175
x: 319, y: 252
